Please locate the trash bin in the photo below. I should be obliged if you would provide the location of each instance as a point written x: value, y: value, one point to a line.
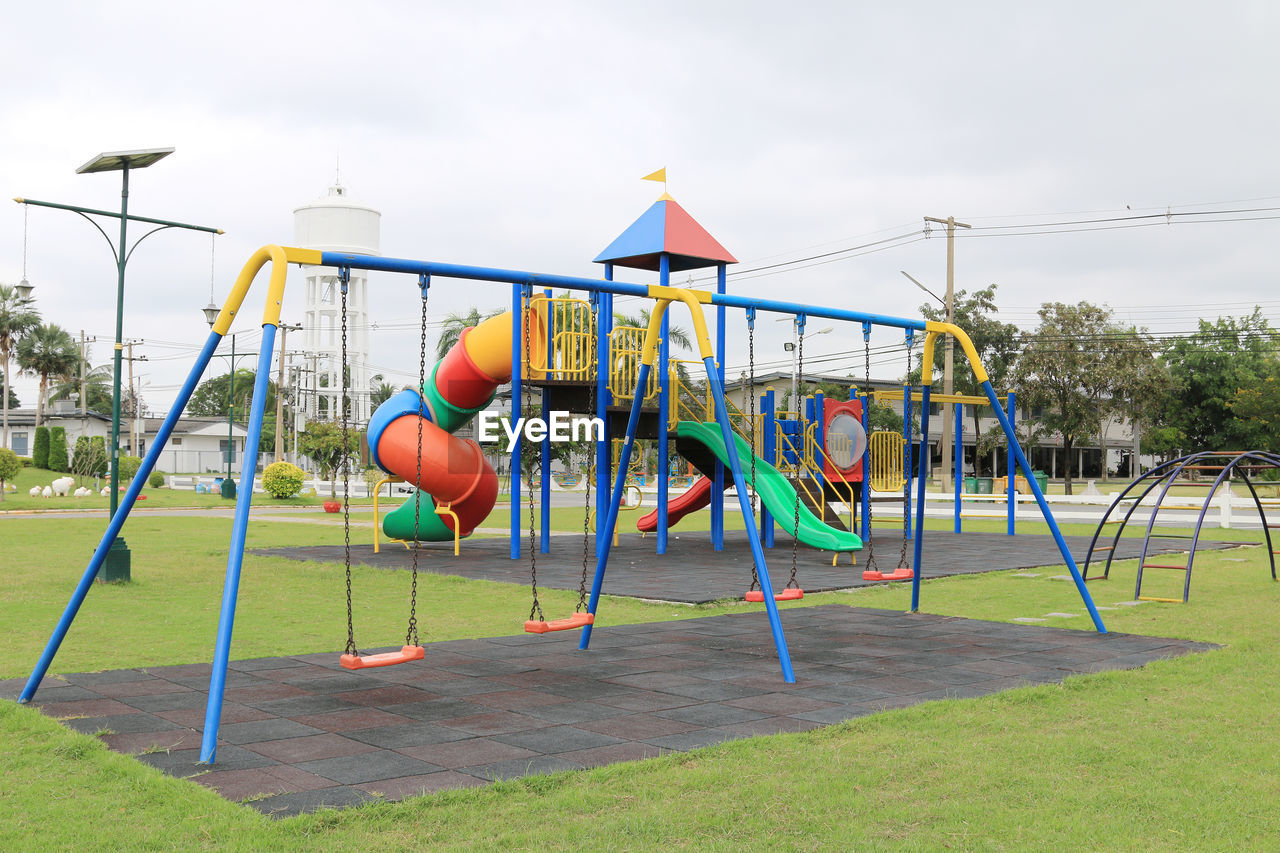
x: 228, y: 488
x: 971, y: 486
x: 1042, y: 479
x: 984, y: 485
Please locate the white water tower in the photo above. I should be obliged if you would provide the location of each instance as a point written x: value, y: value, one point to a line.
x: 335, y: 223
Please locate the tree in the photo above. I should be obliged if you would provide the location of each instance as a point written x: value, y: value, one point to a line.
x: 211, y: 398
x: 18, y: 316
x: 58, y: 450
x: 382, y: 393
x: 995, y: 342
x: 1079, y: 368
x: 12, y: 397
x: 89, y: 458
x: 451, y: 328
x: 1208, y: 370
x: 676, y: 335
x: 48, y: 351
x: 1258, y: 405
x: 40, y: 449
x: 10, y: 465
x: 322, y: 442
x: 97, y: 387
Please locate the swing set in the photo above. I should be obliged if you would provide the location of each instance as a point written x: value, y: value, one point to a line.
x: 601, y: 291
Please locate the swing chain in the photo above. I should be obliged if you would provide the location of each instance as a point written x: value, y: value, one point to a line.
x: 411, y: 634
x: 906, y: 478
x: 871, y: 565
x: 800, y: 457
x: 344, y: 276
x: 526, y: 360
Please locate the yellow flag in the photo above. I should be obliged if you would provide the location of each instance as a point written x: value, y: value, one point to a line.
x: 660, y: 175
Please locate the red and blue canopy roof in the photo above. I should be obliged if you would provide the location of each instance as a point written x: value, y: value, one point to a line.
x: 665, y: 228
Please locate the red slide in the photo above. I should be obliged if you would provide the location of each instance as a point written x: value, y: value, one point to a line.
x: 698, y: 496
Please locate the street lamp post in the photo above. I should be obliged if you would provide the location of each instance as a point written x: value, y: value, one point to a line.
x: 793, y: 347
x: 228, y: 485
x: 116, y: 566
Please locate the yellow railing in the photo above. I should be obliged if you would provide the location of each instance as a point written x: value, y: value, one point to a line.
x: 626, y: 344
x: 571, y: 345
x: 886, y: 461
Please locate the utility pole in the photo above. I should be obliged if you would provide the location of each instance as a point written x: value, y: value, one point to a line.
x: 284, y: 348
x: 133, y: 406
x: 948, y: 368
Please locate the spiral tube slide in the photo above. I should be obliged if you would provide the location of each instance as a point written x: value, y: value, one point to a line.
x: 411, y: 434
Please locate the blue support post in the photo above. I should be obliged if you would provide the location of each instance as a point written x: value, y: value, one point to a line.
x: 1044, y: 508
x: 544, y: 544
x: 118, y: 519
x: 768, y: 452
x: 924, y: 454
x: 517, y: 383
x: 958, y: 443
x: 664, y: 406
x: 605, y: 528
x: 1011, y: 467
x: 235, y: 555
x: 753, y: 535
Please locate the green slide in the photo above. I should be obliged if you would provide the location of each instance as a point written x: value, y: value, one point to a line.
x: 778, y: 495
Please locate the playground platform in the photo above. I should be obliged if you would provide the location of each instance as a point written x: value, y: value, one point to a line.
x: 300, y: 733
x: 692, y: 572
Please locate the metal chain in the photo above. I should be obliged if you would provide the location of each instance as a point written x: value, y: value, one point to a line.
x: 411, y: 634
x: 751, y: 414
x: 906, y: 463
x: 343, y: 277
x: 866, y: 475
x: 526, y: 359
x: 586, y: 505
x: 795, y: 531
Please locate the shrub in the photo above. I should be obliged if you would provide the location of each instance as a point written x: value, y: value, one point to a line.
x: 58, y: 460
x: 156, y: 480
x: 282, y: 479
x: 40, y: 450
x: 9, y: 467
x: 129, y: 466
x: 99, y: 455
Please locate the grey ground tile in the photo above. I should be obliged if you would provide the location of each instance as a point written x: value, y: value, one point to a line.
x: 354, y: 769
x: 516, y: 768
x: 301, y: 802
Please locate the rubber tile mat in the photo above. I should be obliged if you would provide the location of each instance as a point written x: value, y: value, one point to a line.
x: 300, y: 733
x: 693, y: 572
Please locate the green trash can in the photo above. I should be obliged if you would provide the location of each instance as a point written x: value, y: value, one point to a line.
x: 970, y: 485
x: 984, y: 485
x: 228, y: 488
x: 1042, y: 479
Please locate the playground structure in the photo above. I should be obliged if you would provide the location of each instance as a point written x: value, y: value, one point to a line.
x: 408, y: 433
x: 1158, y: 482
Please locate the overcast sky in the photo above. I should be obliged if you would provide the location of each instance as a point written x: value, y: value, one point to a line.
x: 514, y: 135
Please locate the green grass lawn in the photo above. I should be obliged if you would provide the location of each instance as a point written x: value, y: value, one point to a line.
x: 1177, y: 755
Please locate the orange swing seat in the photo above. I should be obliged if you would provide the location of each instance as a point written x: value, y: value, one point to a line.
x: 788, y: 594
x: 406, y: 654
x: 577, y: 620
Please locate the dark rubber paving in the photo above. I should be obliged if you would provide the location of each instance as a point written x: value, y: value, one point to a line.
x: 693, y: 572
x: 301, y: 733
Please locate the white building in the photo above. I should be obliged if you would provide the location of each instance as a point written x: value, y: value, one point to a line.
x: 334, y: 223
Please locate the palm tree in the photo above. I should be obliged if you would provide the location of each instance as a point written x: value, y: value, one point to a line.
x: 47, y: 351
x: 97, y: 387
x: 17, y: 317
x: 383, y: 392
x: 451, y: 328
x: 675, y: 335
